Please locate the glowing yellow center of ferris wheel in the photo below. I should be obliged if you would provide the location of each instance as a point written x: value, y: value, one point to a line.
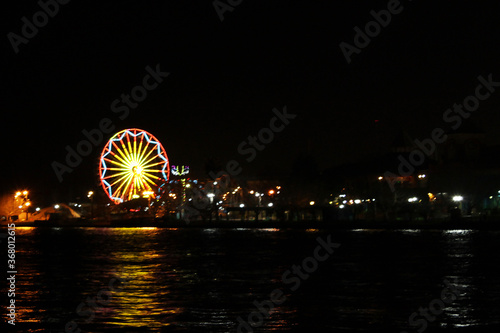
x: 137, y: 170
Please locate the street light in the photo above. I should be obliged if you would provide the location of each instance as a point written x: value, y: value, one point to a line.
x: 91, y: 196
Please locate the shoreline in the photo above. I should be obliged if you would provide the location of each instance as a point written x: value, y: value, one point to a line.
x: 341, y: 225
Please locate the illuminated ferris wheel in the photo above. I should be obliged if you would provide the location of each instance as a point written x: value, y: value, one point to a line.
x: 133, y: 164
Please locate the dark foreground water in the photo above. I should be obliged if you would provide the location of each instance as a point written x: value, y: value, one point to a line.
x: 202, y: 280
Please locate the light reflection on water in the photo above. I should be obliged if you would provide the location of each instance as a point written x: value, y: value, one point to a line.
x: 203, y: 279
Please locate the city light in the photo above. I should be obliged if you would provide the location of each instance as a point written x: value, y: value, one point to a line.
x: 421, y: 176
x: 270, y: 204
x: 380, y: 178
x: 271, y: 192
x: 357, y: 201
x: 37, y: 209
x: 412, y: 199
x: 458, y: 198
x: 210, y: 195
x: 242, y: 205
x: 341, y: 206
x: 312, y: 203
x: 56, y: 206
x: 25, y: 193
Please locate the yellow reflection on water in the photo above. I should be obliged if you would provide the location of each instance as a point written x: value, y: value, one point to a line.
x: 25, y: 228
x: 145, y: 269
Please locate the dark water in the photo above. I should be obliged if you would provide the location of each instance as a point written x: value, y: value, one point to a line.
x: 201, y: 280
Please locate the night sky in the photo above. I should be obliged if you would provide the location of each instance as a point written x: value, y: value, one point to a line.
x: 227, y: 76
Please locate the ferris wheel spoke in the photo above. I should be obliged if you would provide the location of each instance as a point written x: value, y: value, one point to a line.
x: 127, y: 184
x: 119, y: 169
x: 152, y: 178
x: 115, y: 175
x: 135, y: 148
x: 126, y: 152
x: 125, y: 159
x: 122, y: 181
x: 118, y: 160
x: 148, y: 175
x: 129, y: 145
x: 144, y: 157
x: 140, y: 182
x: 147, y: 166
x: 144, y: 185
x: 111, y: 161
x: 149, y: 181
x: 149, y: 170
x: 147, y: 163
x: 139, y: 150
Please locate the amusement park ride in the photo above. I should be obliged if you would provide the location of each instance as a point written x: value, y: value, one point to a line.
x: 133, y: 164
